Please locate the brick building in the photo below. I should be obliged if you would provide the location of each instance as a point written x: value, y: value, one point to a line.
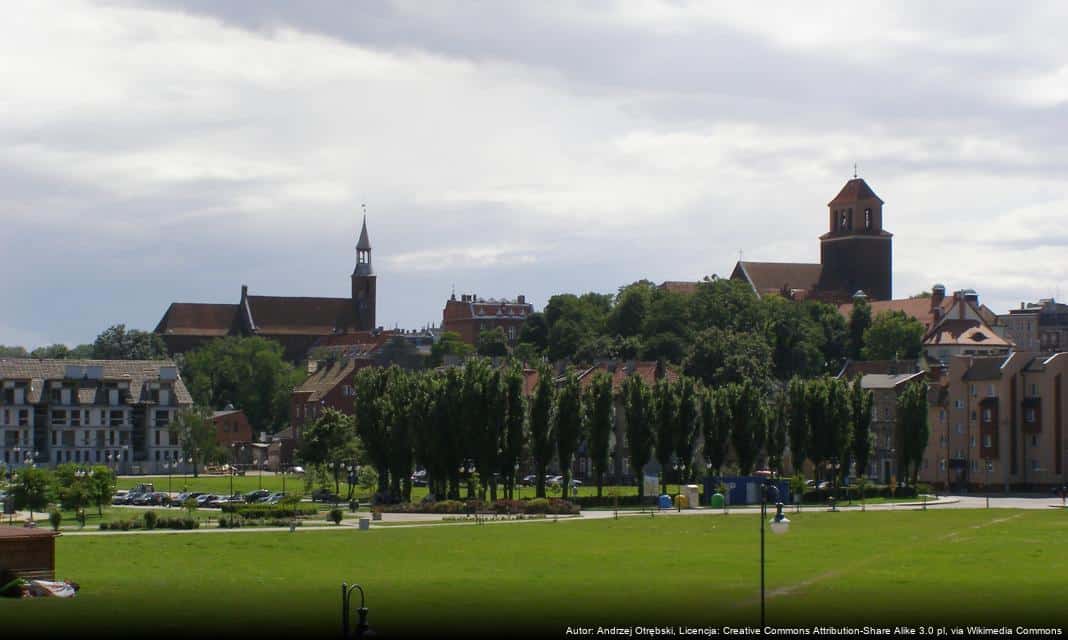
x: 856, y: 254
x: 998, y: 422
x: 297, y: 323
x: 114, y: 412
x: 471, y: 315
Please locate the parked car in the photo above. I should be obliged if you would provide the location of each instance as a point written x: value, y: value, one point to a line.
x: 419, y: 478
x: 256, y: 496
x: 182, y: 497
x: 143, y: 488
x: 140, y: 499
x: 120, y: 497
x: 297, y: 471
x: 204, y: 499
x: 529, y: 481
x: 274, y: 498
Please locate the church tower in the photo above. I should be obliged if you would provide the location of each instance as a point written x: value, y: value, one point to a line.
x: 363, y: 284
x: 856, y: 252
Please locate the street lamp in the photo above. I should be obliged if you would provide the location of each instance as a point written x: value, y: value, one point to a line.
x: 987, y: 487
x: 678, y: 466
x: 780, y: 524
x: 515, y: 480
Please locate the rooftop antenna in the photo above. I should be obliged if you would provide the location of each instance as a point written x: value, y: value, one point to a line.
x: 741, y: 255
x: 854, y: 170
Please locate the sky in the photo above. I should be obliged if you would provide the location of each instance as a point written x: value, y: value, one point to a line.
x: 173, y: 150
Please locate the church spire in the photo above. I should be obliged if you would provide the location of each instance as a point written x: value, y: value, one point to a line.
x: 363, y: 251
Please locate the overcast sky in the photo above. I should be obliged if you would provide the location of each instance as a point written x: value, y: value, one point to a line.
x: 175, y: 150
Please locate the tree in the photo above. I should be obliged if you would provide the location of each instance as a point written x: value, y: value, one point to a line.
x: 331, y: 442
x: 33, y: 490
x: 13, y: 352
x: 372, y: 424
x: 797, y: 421
x: 449, y: 344
x: 719, y: 357
x: 51, y: 352
x: 598, y: 406
x: 913, y: 427
x: 637, y: 403
x: 400, y: 352
x: 749, y: 424
x: 569, y: 425
x: 835, y: 333
x: 404, y: 406
x: 665, y: 420
x: 116, y: 343
x: 839, y: 417
x: 688, y: 421
x: 196, y: 435
x: 859, y: 321
x: 777, y: 428
x: 101, y: 485
x: 541, y: 427
x: 893, y: 335
x: 795, y: 339
x: 492, y: 343
x: 631, y: 306
x: 535, y: 332
x: 726, y: 304
x: 716, y: 420
x: 512, y: 444
x: 861, y: 402
x: 249, y: 373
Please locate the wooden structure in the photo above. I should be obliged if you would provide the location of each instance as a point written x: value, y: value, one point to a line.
x: 28, y: 553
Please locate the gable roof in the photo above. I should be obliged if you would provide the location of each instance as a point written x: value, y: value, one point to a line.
x: 854, y: 368
x: 855, y: 189
x: 196, y: 319
x: 326, y: 379
x: 277, y: 315
x: 885, y: 381
x: 919, y: 308
x: 620, y: 371
x: 985, y: 369
x: 966, y: 332
x: 773, y: 277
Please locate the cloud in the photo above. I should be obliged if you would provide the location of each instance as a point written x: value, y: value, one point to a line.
x: 176, y: 149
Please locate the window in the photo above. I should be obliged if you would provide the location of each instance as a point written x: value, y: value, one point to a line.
x: 941, y: 465
x: 1029, y: 415
x: 941, y: 415
x: 975, y: 465
x: 942, y: 439
x: 867, y: 219
x: 988, y: 441
x: 1034, y: 390
x: 971, y: 390
x: 988, y: 415
x: 960, y: 429
x: 55, y: 438
x: 116, y: 418
x: 98, y: 455
x: 886, y: 413
x: 157, y: 452
x: 75, y: 418
x: 24, y: 417
x: 971, y: 442
x: 973, y: 415
x: 989, y: 465
x: 59, y: 417
x: 1034, y: 465
x: 1034, y: 440
x: 163, y: 418
x: 157, y: 442
x: 959, y: 404
x: 990, y: 392
x: 842, y: 221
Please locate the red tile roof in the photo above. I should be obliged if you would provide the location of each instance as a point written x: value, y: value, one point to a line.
x: 772, y: 277
x: 189, y: 318
x: 326, y: 379
x: 855, y: 189
x: 274, y: 315
x: 973, y: 333
x: 677, y: 286
x: 919, y: 308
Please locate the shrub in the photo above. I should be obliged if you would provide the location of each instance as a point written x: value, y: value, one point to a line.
x: 335, y: 516
x: 268, y: 511
x: 56, y: 518
x: 151, y: 518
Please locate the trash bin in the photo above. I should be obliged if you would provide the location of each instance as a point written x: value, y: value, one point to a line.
x: 665, y: 501
x: 365, y: 524
x: 682, y: 502
x: 693, y: 497
x: 716, y: 501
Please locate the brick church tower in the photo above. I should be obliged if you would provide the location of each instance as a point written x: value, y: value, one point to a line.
x: 857, y: 253
x: 363, y: 284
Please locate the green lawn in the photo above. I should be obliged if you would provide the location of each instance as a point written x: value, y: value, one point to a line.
x: 935, y: 567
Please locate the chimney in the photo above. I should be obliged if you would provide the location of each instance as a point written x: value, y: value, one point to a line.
x: 244, y: 292
x: 938, y: 295
x: 521, y: 299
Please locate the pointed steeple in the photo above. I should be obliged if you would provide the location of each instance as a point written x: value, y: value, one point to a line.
x: 364, y: 242
x: 363, y: 252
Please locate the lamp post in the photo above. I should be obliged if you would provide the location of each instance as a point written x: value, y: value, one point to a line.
x: 678, y: 466
x: 987, y: 487
x: 515, y: 480
x: 780, y: 524
x: 361, y: 613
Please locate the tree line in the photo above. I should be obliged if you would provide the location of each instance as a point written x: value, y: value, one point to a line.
x: 474, y: 426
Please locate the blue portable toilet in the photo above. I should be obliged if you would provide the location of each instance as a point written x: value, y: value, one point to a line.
x: 665, y: 501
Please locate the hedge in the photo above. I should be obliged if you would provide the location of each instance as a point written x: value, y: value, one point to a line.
x: 271, y: 511
x: 844, y: 493
x: 552, y: 506
x: 587, y: 502
x: 161, y: 523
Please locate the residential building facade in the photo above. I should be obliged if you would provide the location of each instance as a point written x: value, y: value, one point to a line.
x: 1041, y: 326
x: 113, y: 412
x: 471, y: 315
x: 997, y: 423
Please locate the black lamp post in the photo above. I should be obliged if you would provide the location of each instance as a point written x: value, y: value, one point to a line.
x: 987, y: 487
x: 678, y: 466
x: 361, y: 613
x: 779, y: 524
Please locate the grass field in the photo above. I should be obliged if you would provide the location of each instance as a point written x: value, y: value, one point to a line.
x: 935, y: 567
